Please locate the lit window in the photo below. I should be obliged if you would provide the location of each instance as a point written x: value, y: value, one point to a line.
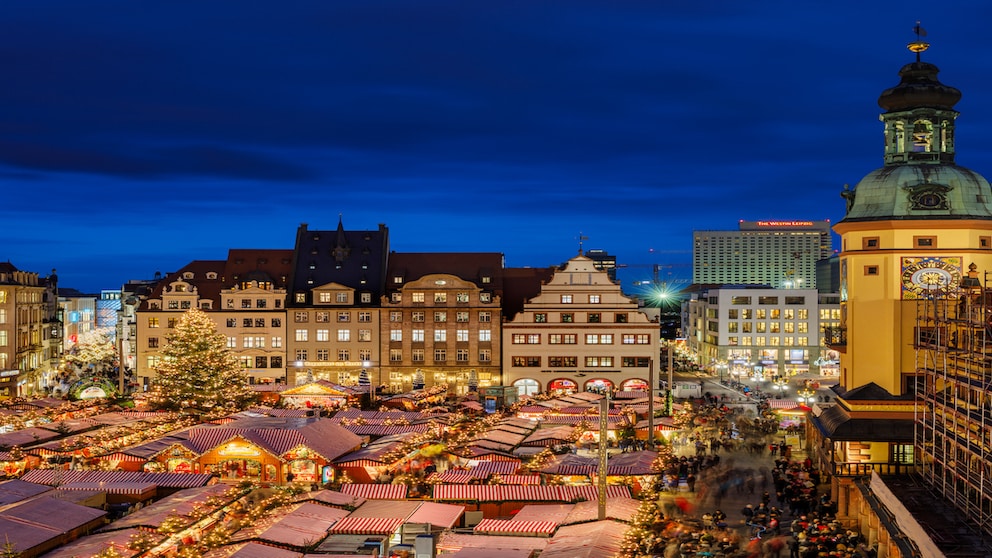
x: 302, y: 335
x: 344, y: 335
x: 566, y: 299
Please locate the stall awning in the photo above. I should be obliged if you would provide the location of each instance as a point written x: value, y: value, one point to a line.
x: 511, y: 527
x: 366, y: 526
x: 376, y: 491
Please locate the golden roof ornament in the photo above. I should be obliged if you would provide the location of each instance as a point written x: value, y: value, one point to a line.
x: 919, y: 45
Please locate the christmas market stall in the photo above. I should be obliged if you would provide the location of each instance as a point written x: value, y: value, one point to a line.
x: 319, y: 394
x: 37, y: 525
x: 367, y: 464
x: 268, y: 449
x: 496, y: 500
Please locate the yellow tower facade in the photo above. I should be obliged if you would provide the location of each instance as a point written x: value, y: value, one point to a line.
x: 911, y: 228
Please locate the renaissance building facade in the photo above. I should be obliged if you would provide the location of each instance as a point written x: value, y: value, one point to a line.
x: 579, y: 333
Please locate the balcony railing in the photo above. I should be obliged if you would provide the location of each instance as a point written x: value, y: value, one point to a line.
x: 835, y: 336
x: 865, y: 469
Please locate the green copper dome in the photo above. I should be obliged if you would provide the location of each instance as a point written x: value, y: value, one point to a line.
x: 920, y: 179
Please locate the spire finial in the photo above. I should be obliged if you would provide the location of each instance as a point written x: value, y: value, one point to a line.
x: 581, y: 238
x: 919, y: 45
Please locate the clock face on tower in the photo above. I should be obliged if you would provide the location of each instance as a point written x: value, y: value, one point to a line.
x: 923, y: 276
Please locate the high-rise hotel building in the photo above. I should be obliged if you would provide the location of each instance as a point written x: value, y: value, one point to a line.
x: 780, y: 254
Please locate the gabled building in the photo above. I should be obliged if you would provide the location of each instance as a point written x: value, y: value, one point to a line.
x: 441, y: 321
x: 579, y: 333
x: 245, y: 295
x: 338, y: 280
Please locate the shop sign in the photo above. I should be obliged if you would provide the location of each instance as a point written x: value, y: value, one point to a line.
x: 239, y: 450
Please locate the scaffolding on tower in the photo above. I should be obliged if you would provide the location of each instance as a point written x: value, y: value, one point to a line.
x: 953, y: 434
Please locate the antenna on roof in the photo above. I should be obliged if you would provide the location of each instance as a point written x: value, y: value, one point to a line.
x: 581, y: 238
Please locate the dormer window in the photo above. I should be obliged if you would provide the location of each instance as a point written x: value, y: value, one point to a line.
x: 211, y: 275
x: 188, y: 275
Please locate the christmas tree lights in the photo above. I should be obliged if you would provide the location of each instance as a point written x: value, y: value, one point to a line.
x: 198, y: 374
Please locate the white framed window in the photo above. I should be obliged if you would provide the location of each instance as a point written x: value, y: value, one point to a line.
x: 461, y: 335
x: 485, y: 316
x: 566, y: 299
x: 302, y: 335
x: 323, y: 335
x: 461, y: 316
x: 485, y: 335
x: 594, y: 299
x: 461, y: 297
x: 324, y: 298
x: 418, y: 335
x: 276, y: 342
x: 417, y: 297
x: 341, y: 298
x: 440, y: 335
x: 396, y: 335
x: 365, y: 335
x: 344, y: 335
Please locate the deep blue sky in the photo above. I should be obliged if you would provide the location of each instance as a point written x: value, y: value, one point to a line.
x: 137, y: 136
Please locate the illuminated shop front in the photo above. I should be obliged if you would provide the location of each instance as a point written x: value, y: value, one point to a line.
x: 599, y: 385
x: 562, y: 386
x: 634, y: 384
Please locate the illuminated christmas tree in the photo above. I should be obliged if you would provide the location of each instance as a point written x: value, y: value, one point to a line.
x: 198, y: 374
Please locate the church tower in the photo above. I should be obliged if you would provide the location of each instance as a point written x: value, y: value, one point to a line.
x: 911, y: 226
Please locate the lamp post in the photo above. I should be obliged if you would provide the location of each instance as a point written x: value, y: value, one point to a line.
x: 721, y: 366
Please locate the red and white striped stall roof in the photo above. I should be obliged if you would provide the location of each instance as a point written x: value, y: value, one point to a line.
x: 500, y: 467
x: 168, y: 480
x: 134, y: 488
x: 511, y: 527
x: 366, y: 526
x: 519, y: 493
x: 456, y: 477
x: 383, y: 430
x: 376, y: 491
x: 786, y: 404
x: 520, y: 479
x: 118, y: 456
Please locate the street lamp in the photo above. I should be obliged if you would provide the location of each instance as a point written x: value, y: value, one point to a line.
x: 807, y: 396
x: 721, y: 366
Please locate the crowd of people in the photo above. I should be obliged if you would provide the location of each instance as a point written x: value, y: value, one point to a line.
x: 731, y: 457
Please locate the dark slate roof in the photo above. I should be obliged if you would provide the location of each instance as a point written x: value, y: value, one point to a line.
x: 355, y: 259
x: 274, y: 266
x: 873, y: 392
x: 206, y: 288
x: 469, y: 266
x: 837, y: 424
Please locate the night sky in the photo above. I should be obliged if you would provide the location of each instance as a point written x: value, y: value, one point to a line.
x: 138, y: 136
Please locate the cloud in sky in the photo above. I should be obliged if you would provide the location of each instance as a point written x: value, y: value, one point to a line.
x: 175, y: 131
